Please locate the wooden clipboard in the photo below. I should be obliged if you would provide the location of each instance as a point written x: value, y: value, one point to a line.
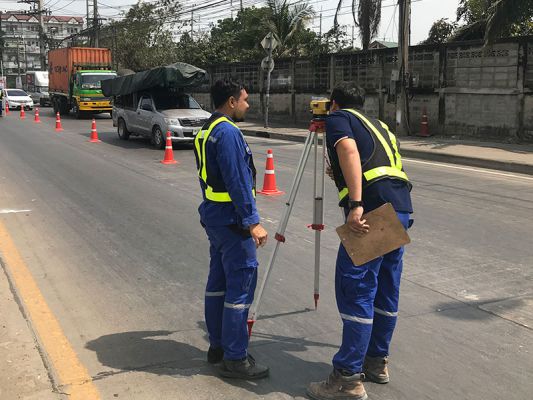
x: 386, y: 234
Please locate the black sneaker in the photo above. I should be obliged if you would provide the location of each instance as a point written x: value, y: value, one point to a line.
x: 243, y: 369
x: 215, y: 355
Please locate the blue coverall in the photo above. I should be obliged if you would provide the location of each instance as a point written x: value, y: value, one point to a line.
x: 233, y: 267
x: 367, y: 295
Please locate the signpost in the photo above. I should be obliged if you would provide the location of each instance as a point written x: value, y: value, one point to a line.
x: 269, y: 43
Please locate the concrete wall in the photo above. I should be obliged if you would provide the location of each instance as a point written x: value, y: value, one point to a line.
x: 465, y: 89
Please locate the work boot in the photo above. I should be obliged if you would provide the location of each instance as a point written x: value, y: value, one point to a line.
x: 243, y: 369
x: 338, y: 387
x: 215, y: 355
x: 375, y: 369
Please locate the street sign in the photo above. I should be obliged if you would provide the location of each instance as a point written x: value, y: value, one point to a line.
x: 269, y: 42
x: 267, y: 64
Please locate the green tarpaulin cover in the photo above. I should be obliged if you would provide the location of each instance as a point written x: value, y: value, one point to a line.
x: 178, y: 75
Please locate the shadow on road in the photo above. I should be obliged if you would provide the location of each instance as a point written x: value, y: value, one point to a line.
x: 477, y: 311
x: 151, y: 351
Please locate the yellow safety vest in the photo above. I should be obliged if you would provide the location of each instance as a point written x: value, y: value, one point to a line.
x: 386, y: 161
x: 200, y: 142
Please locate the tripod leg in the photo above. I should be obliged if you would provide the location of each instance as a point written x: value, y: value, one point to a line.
x: 282, y: 226
x: 318, y: 215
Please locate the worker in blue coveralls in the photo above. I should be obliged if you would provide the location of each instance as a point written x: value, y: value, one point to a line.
x: 229, y: 214
x: 367, y: 168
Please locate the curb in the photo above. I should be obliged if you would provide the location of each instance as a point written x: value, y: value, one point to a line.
x: 507, y: 166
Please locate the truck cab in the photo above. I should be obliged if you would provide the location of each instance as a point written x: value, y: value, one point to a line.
x: 37, y: 87
x: 87, y: 97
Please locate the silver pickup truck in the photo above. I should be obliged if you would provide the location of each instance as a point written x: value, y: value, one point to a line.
x: 152, y: 114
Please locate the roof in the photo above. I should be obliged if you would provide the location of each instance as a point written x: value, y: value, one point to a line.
x: 47, y: 18
x: 383, y: 43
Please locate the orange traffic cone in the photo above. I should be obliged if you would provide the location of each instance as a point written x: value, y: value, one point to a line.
x: 424, y: 125
x: 59, y: 128
x: 269, y: 183
x: 169, y: 154
x: 7, y: 108
x: 37, y: 120
x: 94, y: 133
x: 22, y: 113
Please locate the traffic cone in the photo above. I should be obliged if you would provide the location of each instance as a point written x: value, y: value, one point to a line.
x: 22, y: 113
x: 59, y: 128
x: 7, y: 108
x: 424, y: 125
x: 169, y: 154
x: 37, y: 120
x: 269, y: 183
x: 94, y: 133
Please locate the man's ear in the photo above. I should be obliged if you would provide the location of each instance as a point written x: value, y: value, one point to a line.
x: 231, y: 102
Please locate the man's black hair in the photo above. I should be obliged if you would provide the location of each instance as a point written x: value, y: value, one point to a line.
x: 223, y: 89
x: 348, y: 95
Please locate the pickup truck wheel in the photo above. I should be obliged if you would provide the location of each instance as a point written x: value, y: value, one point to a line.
x: 158, y: 140
x: 122, y: 130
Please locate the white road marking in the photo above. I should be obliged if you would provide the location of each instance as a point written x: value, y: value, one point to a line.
x: 8, y: 211
x: 484, y: 171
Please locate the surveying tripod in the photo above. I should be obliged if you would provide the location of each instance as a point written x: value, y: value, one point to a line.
x: 316, y: 128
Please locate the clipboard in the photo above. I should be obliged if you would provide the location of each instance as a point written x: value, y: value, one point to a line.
x: 385, y: 235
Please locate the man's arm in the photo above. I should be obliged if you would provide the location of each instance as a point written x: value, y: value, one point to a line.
x: 238, y: 180
x: 350, y: 163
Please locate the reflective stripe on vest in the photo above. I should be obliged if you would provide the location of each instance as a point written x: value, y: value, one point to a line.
x: 210, y: 194
x: 394, y: 170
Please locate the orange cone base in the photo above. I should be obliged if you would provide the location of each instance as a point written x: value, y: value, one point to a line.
x: 94, y: 140
x: 272, y: 192
x: 59, y: 129
x: 168, y: 162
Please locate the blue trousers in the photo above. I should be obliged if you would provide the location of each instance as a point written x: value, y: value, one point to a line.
x: 230, y: 289
x: 367, y: 299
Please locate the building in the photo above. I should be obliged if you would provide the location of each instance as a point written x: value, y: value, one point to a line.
x: 382, y: 44
x: 21, y: 51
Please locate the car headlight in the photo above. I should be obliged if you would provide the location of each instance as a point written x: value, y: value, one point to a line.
x: 85, y: 99
x: 172, y: 121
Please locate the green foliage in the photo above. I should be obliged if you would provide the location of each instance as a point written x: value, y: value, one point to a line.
x: 440, y: 31
x: 142, y: 38
x: 492, y: 19
x: 287, y: 23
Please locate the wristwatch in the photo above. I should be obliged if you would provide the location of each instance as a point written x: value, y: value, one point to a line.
x: 354, y: 204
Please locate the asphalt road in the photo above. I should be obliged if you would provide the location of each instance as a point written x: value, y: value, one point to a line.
x: 113, y: 240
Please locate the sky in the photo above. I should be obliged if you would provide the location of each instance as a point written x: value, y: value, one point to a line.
x: 424, y: 13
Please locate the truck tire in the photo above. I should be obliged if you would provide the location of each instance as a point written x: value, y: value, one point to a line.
x: 77, y: 113
x: 122, y: 130
x: 158, y: 139
x: 55, y: 105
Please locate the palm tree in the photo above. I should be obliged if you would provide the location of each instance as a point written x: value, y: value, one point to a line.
x: 367, y: 19
x: 286, y: 21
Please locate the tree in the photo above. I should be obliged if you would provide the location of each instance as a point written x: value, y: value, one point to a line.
x: 440, y: 31
x: 491, y: 19
x: 287, y: 23
x: 142, y: 38
x: 239, y: 39
x: 367, y: 20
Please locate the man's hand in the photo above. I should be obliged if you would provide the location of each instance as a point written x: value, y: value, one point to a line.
x: 329, y: 172
x: 259, y: 234
x: 355, y: 222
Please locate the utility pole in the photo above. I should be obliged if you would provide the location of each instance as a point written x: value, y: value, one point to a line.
x: 96, y: 25
x: 404, y: 36
x: 192, y: 20
x: 42, y: 46
x: 353, y: 31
